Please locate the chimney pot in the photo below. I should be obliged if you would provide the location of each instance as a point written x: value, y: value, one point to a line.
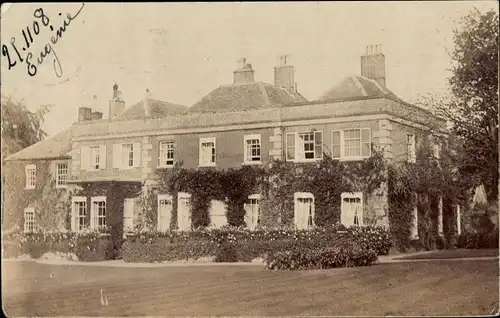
x: 116, y: 104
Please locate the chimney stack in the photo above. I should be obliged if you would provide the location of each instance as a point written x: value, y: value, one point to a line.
x: 116, y: 104
x: 284, y: 75
x: 244, y: 74
x: 147, y: 96
x: 373, y: 64
x: 96, y: 116
x: 84, y: 114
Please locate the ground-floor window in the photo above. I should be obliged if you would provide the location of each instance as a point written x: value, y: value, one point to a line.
x: 164, y: 211
x: 351, y: 208
x: 98, y: 212
x: 128, y: 215
x: 29, y: 220
x: 184, y: 211
x: 303, y: 210
x: 252, y: 208
x: 79, y: 213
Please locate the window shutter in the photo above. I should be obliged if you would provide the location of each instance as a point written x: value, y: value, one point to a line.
x: 92, y: 214
x: 290, y: 146
x: 137, y: 154
x: 365, y: 143
x: 336, y: 144
x: 296, y: 214
x: 299, y: 147
x: 318, y: 144
x: 102, y: 156
x: 73, y: 217
x: 84, y: 158
x: 117, y: 156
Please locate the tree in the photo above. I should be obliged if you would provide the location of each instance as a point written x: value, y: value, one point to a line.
x: 472, y: 107
x: 20, y: 127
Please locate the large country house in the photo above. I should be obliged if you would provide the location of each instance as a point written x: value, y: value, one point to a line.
x: 245, y: 123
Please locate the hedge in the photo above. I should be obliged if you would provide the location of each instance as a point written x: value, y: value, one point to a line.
x: 237, y: 244
x: 478, y: 239
x: 343, y: 253
x: 88, y: 247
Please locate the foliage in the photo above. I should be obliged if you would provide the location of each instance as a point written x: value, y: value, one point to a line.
x: 420, y: 185
x: 247, y: 245
x: 342, y: 253
x: 226, y: 253
x: 472, y: 107
x: 478, y: 239
x: 88, y: 246
x: 20, y: 127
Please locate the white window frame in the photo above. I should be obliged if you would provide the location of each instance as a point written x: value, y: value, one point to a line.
x: 95, y: 157
x: 353, y: 195
x: 299, y: 154
x: 213, y: 156
x: 126, y: 217
x: 246, y: 139
x: 362, y: 144
x: 94, y: 215
x: 164, y: 197
x: 29, y: 219
x: 125, y: 162
x: 30, y: 173
x: 298, y: 219
x: 164, y: 149
x: 180, y: 218
x: 253, y: 213
x: 61, y: 182
x: 411, y: 148
x: 76, y: 217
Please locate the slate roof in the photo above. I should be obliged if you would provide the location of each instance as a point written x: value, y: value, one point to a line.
x: 357, y: 87
x: 245, y: 96
x: 54, y: 147
x: 157, y: 108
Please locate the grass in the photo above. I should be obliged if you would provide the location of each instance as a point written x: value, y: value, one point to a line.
x: 423, y: 288
x: 452, y: 254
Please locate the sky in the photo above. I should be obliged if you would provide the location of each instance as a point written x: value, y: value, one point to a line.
x: 182, y: 51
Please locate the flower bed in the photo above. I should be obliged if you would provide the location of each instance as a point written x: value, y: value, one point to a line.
x: 87, y: 246
x: 231, y: 244
x: 343, y: 253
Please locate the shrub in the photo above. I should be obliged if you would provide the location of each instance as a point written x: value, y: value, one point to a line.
x: 342, y: 254
x: 164, y: 250
x: 226, y: 253
x: 478, y: 239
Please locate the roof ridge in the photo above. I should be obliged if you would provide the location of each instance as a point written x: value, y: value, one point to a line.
x: 267, y: 101
x: 359, y: 85
x: 376, y: 83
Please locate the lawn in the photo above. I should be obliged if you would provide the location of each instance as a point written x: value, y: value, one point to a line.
x: 423, y: 288
x: 451, y: 254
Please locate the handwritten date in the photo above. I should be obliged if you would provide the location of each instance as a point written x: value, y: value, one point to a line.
x: 30, y: 34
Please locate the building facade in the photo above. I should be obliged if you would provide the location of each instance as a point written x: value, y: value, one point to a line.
x: 245, y: 123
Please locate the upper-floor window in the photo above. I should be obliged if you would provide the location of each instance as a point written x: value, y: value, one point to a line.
x: 30, y: 171
x: 252, y: 151
x: 304, y: 146
x: 207, y: 151
x: 29, y: 220
x: 166, y: 158
x: 93, y: 157
x: 126, y: 155
x: 61, y: 174
x: 351, y: 144
x: 411, y: 149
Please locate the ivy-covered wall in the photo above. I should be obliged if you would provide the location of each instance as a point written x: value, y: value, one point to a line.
x: 51, y: 204
x: 115, y: 192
